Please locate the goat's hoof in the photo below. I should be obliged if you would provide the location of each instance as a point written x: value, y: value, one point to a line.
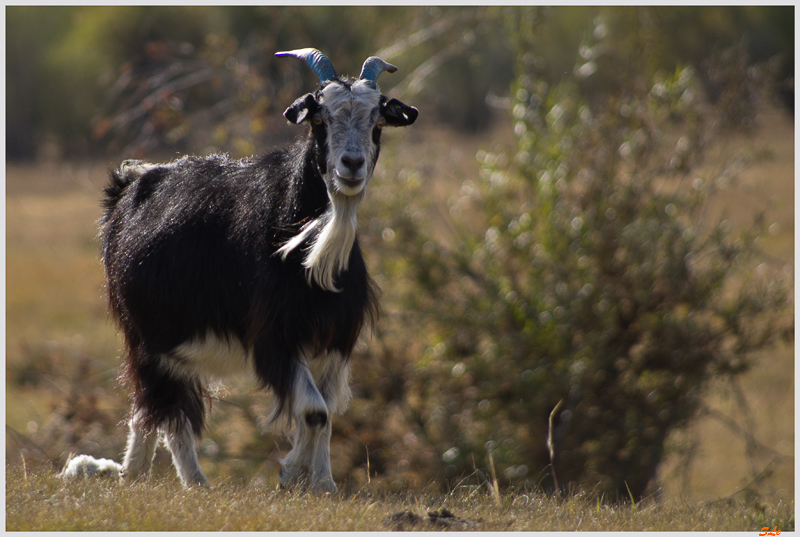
x: 127, y: 477
x: 198, y: 481
x: 325, y: 486
x: 288, y: 480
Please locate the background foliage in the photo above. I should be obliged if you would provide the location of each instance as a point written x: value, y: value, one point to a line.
x: 580, y: 269
x: 86, y: 80
x: 585, y: 274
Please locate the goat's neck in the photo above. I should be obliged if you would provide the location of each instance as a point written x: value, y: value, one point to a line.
x: 330, y: 240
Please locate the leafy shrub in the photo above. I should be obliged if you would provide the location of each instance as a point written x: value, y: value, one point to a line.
x: 585, y: 277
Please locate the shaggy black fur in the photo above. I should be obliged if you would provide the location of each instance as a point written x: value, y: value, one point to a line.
x: 188, y: 249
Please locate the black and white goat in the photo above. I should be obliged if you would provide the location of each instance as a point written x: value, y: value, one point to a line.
x: 215, y: 266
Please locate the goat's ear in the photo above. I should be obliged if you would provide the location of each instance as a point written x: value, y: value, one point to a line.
x: 301, y: 108
x: 398, y: 114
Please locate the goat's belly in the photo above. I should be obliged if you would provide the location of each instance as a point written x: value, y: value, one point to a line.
x: 207, y: 357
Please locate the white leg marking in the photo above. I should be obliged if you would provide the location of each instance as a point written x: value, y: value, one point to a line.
x: 321, y: 477
x: 180, y: 440
x: 309, y: 460
x: 139, y: 452
x: 332, y: 375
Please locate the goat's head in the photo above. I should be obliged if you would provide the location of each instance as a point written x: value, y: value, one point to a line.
x: 346, y: 116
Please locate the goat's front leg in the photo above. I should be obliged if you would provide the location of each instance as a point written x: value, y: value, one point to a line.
x: 309, y: 460
x: 321, y: 476
x: 308, y: 463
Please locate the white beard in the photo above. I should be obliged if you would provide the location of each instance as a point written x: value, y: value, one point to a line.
x: 332, y: 236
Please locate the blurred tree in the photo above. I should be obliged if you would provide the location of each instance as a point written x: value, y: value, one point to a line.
x: 64, y: 61
x: 29, y: 33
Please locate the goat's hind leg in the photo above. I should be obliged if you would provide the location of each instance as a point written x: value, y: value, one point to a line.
x: 172, y: 405
x: 180, y: 440
x: 182, y: 426
x: 139, y: 451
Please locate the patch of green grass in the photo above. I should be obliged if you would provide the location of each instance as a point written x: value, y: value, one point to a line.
x: 38, y: 500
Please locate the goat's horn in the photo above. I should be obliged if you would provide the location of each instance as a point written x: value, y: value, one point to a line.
x: 318, y: 62
x: 373, y: 67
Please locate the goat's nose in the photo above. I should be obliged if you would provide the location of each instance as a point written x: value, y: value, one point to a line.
x: 353, y: 162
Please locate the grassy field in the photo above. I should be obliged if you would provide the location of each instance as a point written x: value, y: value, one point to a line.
x: 62, y: 357
x: 37, y: 500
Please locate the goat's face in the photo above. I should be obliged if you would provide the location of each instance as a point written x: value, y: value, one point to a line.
x: 346, y: 118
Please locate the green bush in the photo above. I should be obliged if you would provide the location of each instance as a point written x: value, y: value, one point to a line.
x: 585, y: 275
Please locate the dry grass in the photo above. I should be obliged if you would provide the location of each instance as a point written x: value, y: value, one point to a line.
x: 37, y: 500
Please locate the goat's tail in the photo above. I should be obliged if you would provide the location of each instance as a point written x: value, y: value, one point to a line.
x: 119, y: 179
x: 118, y: 182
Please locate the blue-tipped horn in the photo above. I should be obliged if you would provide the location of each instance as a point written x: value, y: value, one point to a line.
x: 372, y: 68
x: 318, y: 62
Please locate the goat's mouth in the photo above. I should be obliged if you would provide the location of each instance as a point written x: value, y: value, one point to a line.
x: 349, y: 185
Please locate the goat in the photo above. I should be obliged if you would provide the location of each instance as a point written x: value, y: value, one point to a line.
x: 215, y: 266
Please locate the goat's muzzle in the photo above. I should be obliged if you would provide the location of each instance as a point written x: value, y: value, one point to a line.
x: 350, y: 173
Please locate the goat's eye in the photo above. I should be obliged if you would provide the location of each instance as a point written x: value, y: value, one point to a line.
x: 380, y: 124
x: 317, y: 120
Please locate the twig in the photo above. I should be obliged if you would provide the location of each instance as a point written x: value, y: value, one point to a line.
x: 368, y: 478
x: 630, y: 495
x: 495, y: 487
x: 159, y: 94
x: 551, y: 445
x: 414, y: 82
x: 420, y: 36
x: 748, y: 436
x: 24, y: 468
x: 21, y: 438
